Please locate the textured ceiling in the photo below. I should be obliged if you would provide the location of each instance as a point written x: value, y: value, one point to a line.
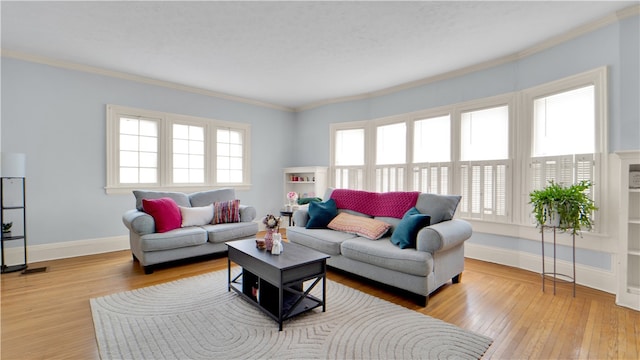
x: 288, y: 54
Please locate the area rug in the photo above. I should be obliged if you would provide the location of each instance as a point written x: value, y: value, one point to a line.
x: 197, y: 318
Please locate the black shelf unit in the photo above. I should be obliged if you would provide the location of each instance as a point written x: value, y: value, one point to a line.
x: 6, y: 237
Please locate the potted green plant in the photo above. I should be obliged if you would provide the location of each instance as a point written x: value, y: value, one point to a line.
x: 568, y: 208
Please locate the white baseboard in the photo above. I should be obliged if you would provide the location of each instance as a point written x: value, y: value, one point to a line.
x: 585, y: 275
x: 45, y: 252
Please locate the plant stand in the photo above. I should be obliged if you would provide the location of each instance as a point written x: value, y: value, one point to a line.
x: 554, y: 273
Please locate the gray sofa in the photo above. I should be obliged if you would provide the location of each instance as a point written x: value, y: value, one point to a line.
x: 438, y: 255
x: 150, y: 247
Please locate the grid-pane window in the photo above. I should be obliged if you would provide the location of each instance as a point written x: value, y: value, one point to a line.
x: 188, y: 153
x: 138, y: 151
x: 173, y: 151
x: 229, y: 156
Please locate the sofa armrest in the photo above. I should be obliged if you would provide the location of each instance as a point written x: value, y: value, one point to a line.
x: 444, y: 235
x: 139, y: 222
x: 300, y: 217
x: 247, y: 213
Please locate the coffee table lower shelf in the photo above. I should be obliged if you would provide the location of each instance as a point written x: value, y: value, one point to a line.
x: 265, y: 296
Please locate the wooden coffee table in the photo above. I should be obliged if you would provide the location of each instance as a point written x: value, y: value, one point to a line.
x: 274, y: 283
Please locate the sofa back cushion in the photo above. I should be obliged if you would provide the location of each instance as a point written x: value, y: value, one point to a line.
x: 204, y: 198
x: 180, y: 198
x: 439, y: 207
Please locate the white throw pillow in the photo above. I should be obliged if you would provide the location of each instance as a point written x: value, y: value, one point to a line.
x: 196, y: 216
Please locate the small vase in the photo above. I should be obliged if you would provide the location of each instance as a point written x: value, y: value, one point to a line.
x: 268, y: 239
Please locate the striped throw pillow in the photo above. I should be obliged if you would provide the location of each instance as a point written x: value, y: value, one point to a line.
x: 226, y: 212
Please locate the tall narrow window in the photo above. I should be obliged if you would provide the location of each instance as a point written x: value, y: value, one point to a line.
x: 349, y: 159
x: 484, y: 155
x: 229, y: 156
x: 391, y: 157
x: 432, y: 154
x: 188, y: 154
x: 138, y: 158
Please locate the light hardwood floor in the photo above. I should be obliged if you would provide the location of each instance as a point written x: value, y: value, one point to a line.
x: 47, y: 315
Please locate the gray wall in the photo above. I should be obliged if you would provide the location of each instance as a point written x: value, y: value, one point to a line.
x: 57, y: 117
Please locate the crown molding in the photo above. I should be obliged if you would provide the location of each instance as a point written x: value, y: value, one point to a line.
x: 137, y: 78
x: 549, y: 43
x: 546, y: 44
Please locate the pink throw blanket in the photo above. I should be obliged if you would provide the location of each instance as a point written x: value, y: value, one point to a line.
x: 391, y: 204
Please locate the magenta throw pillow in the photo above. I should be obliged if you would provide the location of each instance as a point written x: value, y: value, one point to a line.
x: 165, y: 213
x: 226, y: 212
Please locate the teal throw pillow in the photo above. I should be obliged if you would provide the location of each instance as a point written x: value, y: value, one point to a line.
x: 321, y: 214
x: 406, y: 232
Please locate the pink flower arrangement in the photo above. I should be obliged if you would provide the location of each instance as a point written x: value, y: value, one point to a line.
x: 292, y: 196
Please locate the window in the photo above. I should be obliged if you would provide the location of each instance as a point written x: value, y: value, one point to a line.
x: 188, y: 154
x: 138, y: 156
x: 484, y: 160
x: 567, y: 119
x: 349, y: 160
x: 431, y: 165
x: 391, y: 157
x: 229, y: 162
x: 556, y: 132
x: 161, y: 150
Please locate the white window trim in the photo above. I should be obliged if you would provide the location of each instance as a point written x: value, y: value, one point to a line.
x: 517, y: 222
x: 165, y: 144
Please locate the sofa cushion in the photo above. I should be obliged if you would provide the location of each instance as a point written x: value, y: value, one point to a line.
x: 321, y: 214
x: 196, y: 216
x: 384, y: 254
x: 178, y: 238
x: 392, y: 204
x: 440, y: 207
x: 231, y: 231
x: 204, y: 198
x: 226, y: 212
x: 363, y: 226
x: 404, y: 235
x: 180, y: 198
x: 324, y: 240
x: 165, y: 213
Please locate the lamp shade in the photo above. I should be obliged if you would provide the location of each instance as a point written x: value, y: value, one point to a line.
x: 13, y: 165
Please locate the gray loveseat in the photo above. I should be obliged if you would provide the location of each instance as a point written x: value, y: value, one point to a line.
x: 150, y: 247
x: 438, y: 255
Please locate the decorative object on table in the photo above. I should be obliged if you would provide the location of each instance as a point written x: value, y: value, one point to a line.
x: 570, y: 207
x: 260, y: 244
x: 277, y: 248
x: 272, y: 224
x: 292, y: 196
x: 6, y: 227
